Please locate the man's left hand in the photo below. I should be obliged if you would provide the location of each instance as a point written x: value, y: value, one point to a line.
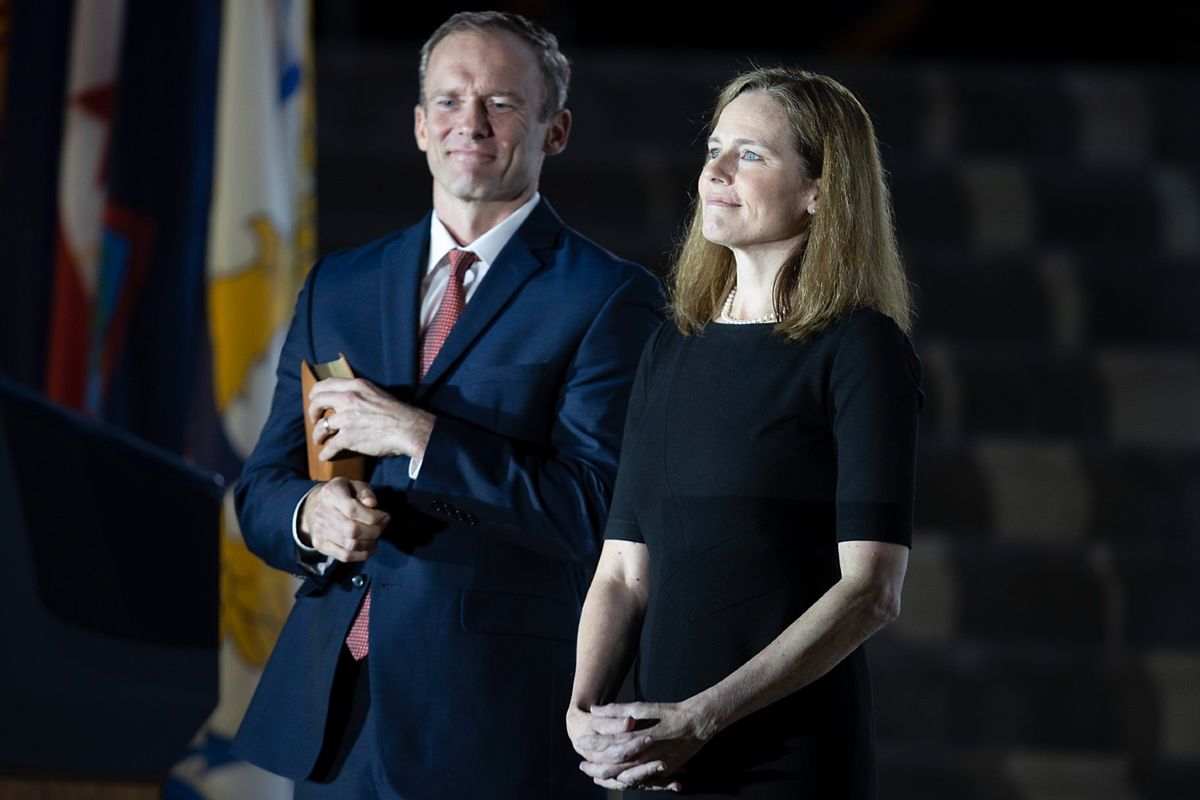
x: 366, y: 419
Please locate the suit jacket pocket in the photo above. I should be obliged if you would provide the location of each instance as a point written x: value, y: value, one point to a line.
x: 514, y: 400
x: 518, y: 615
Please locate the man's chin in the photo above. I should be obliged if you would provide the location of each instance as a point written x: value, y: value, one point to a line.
x: 483, y: 192
x: 470, y: 187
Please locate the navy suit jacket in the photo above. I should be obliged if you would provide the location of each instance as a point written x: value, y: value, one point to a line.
x: 478, y: 581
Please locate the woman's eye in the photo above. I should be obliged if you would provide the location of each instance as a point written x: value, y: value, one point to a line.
x: 713, y: 153
x: 750, y: 155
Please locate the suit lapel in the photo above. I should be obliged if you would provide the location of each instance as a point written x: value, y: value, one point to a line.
x: 518, y: 262
x: 403, y: 263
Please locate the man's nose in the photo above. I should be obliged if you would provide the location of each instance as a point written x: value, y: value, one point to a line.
x: 473, y: 121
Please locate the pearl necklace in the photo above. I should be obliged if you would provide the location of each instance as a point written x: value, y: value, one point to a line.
x: 726, y: 317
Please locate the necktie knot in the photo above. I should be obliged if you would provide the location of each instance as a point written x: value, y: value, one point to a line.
x: 461, y: 261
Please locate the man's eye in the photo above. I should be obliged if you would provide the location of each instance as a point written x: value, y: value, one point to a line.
x: 750, y: 155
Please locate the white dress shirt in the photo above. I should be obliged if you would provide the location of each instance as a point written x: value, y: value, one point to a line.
x: 433, y: 288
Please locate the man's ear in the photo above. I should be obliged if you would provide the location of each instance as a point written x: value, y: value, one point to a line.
x: 557, y: 133
x: 419, y: 128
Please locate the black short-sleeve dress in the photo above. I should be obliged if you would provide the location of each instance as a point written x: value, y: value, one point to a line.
x: 746, y: 459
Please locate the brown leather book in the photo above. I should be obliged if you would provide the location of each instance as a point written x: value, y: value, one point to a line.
x: 346, y: 464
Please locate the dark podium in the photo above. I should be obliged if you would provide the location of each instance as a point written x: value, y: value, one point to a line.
x: 110, y: 604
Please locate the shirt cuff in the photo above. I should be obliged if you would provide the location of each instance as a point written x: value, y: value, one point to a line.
x: 306, y: 551
x: 414, y: 467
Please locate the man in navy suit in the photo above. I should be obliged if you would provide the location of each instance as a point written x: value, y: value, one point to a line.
x: 429, y: 651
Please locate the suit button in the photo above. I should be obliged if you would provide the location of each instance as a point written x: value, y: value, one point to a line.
x: 472, y: 519
x: 357, y: 581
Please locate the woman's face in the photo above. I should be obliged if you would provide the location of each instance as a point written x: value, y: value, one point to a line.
x: 755, y: 192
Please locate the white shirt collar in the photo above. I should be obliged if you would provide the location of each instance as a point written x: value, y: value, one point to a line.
x: 487, y: 247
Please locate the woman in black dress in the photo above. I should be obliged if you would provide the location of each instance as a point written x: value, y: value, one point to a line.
x: 762, y: 514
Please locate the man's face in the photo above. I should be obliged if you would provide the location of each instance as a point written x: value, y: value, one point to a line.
x: 479, y: 127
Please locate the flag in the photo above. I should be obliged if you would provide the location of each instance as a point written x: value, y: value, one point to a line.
x: 262, y: 240
x: 156, y: 229
x: 127, y: 333
x: 36, y: 49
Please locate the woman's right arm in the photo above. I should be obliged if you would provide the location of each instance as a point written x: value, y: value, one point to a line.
x: 608, y: 634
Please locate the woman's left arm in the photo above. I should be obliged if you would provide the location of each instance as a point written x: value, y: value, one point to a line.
x: 864, y: 600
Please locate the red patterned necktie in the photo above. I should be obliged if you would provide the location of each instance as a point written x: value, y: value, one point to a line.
x: 435, y: 336
x: 449, y: 310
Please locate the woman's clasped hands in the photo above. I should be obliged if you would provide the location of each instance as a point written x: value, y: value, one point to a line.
x: 638, y: 745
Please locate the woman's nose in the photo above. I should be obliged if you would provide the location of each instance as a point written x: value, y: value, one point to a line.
x: 715, y: 171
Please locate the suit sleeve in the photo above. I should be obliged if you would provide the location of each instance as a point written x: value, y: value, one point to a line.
x: 552, y: 500
x: 275, y: 477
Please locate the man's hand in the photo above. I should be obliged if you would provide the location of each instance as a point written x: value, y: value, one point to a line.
x: 365, y: 419
x: 339, y: 518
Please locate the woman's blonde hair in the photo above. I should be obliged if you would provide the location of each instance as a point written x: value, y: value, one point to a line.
x: 849, y: 258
